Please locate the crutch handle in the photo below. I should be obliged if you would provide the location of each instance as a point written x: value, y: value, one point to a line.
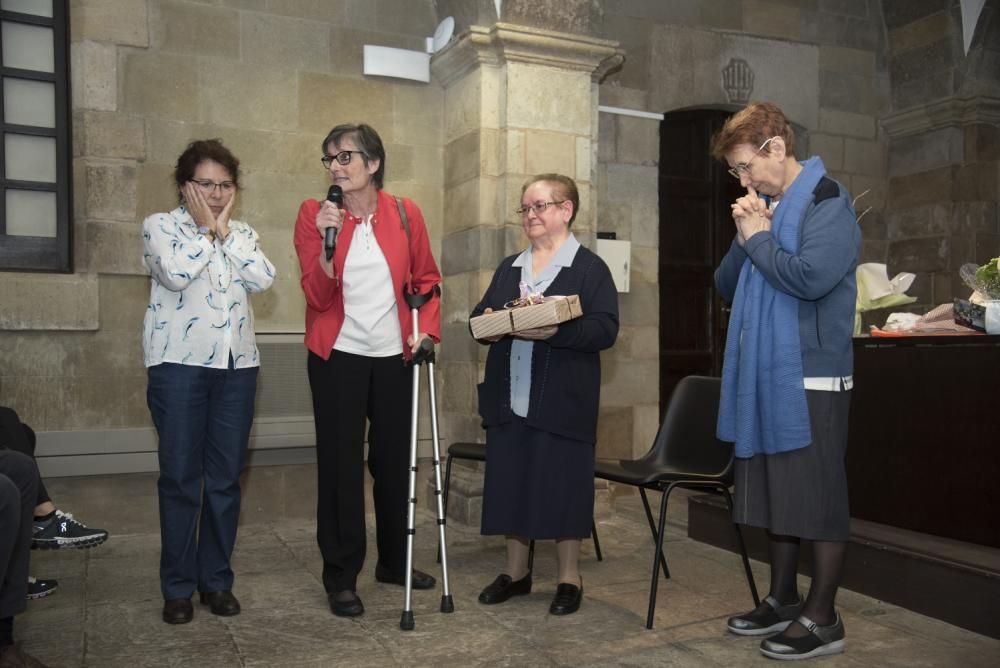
x: 414, y: 300
x: 425, y: 353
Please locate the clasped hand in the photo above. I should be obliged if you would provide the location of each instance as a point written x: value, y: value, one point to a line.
x: 751, y: 215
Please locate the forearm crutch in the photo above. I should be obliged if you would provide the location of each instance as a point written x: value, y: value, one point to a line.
x: 424, y: 355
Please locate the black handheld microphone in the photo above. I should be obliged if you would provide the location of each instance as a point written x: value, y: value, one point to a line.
x: 336, y: 195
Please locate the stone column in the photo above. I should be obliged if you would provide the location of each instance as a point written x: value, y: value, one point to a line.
x: 517, y: 101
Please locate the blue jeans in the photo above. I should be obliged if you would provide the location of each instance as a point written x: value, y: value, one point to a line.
x: 203, y: 418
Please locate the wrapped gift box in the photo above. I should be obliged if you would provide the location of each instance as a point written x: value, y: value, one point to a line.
x: 550, y: 312
x: 970, y: 315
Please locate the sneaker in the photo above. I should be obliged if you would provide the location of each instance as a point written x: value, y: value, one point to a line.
x: 768, y: 617
x: 822, y: 640
x: 41, y: 588
x: 62, y: 531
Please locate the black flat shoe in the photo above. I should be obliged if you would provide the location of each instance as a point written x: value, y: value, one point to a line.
x: 352, y: 607
x: 420, y: 580
x: 567, y: 599
x: 221, y: 603
x: 178, y: 611
x: 503, y: 588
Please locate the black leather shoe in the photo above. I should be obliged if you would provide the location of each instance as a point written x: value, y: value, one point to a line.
x: 567, y: 599
x: 503, y: 588
x: 352, y: 607
x: 221, y: 603
x: 178, y: 611
x: 420, y: 579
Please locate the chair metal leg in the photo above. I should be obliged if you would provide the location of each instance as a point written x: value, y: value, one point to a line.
x: 597, y: 543
x: 444, y: 497
x: 657, y: 556
x: 743, y: 549
x: 652, y: 528
x: 531, y: 554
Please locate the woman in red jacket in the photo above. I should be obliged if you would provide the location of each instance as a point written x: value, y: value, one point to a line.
x: 359, y: 335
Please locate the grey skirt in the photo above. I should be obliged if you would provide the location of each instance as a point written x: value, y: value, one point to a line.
x: 802, y: 492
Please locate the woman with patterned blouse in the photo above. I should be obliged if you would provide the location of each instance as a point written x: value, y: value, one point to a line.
x: 202, y: 359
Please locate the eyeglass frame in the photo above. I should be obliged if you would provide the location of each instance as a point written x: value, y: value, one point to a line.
x: 739, y: 169
x: 225, y: 187
x: 328, y: 159
x: 523, y: 210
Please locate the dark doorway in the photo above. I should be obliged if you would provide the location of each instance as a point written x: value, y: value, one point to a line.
x: 695, y: 231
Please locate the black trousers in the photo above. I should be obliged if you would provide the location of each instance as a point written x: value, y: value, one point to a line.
x: 18, y: 490
x: 17, y: 436
x: 347, y: 389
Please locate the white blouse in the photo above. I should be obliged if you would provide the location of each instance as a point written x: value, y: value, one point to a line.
x: 199, y: 300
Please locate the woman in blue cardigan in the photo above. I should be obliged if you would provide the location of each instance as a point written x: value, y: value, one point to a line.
x: 787, y: 376
x: 539, y: 399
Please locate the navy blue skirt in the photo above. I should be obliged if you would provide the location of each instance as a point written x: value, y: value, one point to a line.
x: 538, y: 485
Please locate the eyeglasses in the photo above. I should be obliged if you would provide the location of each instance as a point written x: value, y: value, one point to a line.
x: 537, y: 207
x: 208, y: 187
x: 344, y: 157
x: 744, y: 167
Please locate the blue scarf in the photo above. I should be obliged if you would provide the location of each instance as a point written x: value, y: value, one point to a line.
x: 763, y: 407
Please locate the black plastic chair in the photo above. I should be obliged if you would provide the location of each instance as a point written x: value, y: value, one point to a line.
x: 685, y: 454
x: 477, y: 452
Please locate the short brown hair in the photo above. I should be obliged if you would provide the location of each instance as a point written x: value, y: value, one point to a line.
x: 754, y: 125
x: 565, y: 185
x: 205, y: 149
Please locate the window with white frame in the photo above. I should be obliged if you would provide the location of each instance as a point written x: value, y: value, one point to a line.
x: 35, y: 152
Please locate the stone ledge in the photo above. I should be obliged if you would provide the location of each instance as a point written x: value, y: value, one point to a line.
x: 941, y: 114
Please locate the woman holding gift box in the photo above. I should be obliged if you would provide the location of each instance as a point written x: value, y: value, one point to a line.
x: 358, y: 332
x: 539, y: 400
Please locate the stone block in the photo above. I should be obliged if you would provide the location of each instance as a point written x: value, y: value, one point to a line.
x: 858, y: 8
x: 976, y: 218
x: 978, y: 181
x: 638, y: 141
x: 607, y: 144
x: 830, y: 148
x: 280, y: 42
x: 110, y: 191
x: 982, y: 142
x: 771, y: 19
x: 627, y: 383
x: 640, y: 306
x: 923, y: 32
x: 258, y: 97
x: 897, y: 13
x: 918, y: 91
x: 122, y: 300
x: 919, y: 62
x: 864, y: 156
x: 471, y: 249
x: 987, y: 247
x: 848, y: 92
x: 632, y: 35
x: 873, y: 251
x: 405, y: 166
x: 645, y: 343
x: 155, y: 190
x: 924, y: 255
x: 325, y: 101
x: 581, y: 17
x: 838, y: 122
x: 115, y: 248
x: 457, y: 344
x: 48, y: 302
x: 614, y: 432
x: 824, y: 28
x: 197, y: 30
x: 645, y: 264
x: 117, y: 21
x: 646, y: 423
x: 550, y: 152
x: 460, y: 379
x: 109, y: 135
x: 419, y: 110
x: 462, y: 158
x: 465, y: 493
x: 159, y: 85
x: 929, y: 150
x: 542, y: 98
x: 586, y: 158
x: 929, y: 220
x: 871, y: 191
x: 615, y: 216
x: 359, y: 14
x: 922, y: 188
x: 94, y: 76
x: 721, y: 14
x: 850, y: 61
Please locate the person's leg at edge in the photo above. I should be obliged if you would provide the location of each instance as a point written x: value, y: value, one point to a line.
x: 828, y: 565
x: 568, y: 552
x: 517, y: 557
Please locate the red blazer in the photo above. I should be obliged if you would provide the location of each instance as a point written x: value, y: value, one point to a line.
x: 324, y: 297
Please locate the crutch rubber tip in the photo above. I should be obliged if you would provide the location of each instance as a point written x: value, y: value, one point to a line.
x: 406, y: 621
x: 447, y: 604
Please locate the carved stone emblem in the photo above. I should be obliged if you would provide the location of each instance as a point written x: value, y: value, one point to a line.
x: 737, y: 81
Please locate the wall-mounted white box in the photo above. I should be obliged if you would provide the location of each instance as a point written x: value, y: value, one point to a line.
x: 617, y: 254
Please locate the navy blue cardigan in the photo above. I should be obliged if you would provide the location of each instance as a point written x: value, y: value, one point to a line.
x: 566, y: 368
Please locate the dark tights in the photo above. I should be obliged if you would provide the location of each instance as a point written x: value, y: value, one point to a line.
x: 828, y: 565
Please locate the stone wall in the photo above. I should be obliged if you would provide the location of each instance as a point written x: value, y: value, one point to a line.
x: 270, y: 77
x: 944, y: 151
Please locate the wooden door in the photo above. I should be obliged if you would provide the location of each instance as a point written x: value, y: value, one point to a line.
x: 696, y: 229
